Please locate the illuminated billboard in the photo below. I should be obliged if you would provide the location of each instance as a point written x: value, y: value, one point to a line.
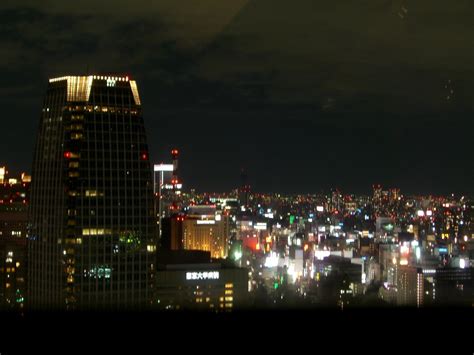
x: 202, y: 275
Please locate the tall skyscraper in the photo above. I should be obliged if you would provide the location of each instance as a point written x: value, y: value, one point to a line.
x: 92, y: 239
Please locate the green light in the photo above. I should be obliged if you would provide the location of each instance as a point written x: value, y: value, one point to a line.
x: 292, y: 219
x: 237, y: 255
x: 101, y: 271
x: 275, y: 285
x: 130, y: 239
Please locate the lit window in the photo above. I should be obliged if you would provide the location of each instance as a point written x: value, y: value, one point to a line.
x: 91, y: 193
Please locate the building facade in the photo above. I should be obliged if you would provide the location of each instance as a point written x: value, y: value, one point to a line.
x: 13, y: 231
x: 92, y: 234
x: 187, y: 280
x: 454, y: 287
x: 203, y: 228
x: 410, y: 286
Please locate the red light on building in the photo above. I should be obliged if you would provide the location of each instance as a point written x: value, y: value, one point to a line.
x: 67, y: 155
x: 144, y: 156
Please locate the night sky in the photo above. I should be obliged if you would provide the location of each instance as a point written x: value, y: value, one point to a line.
x: 304, y: 94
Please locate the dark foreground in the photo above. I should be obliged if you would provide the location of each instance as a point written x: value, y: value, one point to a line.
x: 370, y: 330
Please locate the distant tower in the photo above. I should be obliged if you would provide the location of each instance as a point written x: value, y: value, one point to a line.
x: 174, y: 179
x: 244, y: 190
x: 177, y: 218
x: 336, y: 200
x: 170, y: 217
x: 377, y: 197
x: 92, y: 237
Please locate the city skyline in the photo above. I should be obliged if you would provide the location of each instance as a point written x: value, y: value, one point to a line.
x: 348, y: 96
x: 92, y: 229
x: 296, y: 173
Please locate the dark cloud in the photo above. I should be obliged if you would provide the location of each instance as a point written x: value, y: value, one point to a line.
x: 304, y: 94
x: 322, y: 49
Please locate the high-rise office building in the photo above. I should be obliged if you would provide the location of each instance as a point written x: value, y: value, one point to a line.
x: 13, y: 231
x: 410, y: 284
x: 92, y: 238
x: 454, y: 286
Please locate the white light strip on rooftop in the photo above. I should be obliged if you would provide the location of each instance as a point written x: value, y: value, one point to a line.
x: 79, y: 87
x: 136, y: 97
x: 163, y: 167
x: 95, y: 77
x: 206, y: 221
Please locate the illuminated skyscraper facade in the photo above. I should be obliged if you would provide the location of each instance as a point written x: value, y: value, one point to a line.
x: 207, y: 234
x: 92, y: 238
